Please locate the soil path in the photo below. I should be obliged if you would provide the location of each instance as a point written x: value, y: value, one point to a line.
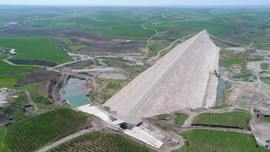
x: 31, y: 101
x: 148, y: 42
x: 96, y: 123
x: 9, y: 62
x: 171, y: 45
x: 184, y: 129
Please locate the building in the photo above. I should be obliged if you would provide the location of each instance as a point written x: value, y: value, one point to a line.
x: 12, y: 51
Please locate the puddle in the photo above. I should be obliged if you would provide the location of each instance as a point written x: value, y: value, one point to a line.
x: 74, y: 56
x: 222, y: 85
x: 100, y: 61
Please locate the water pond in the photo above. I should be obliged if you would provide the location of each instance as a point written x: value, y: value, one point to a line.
x: 222, y: 85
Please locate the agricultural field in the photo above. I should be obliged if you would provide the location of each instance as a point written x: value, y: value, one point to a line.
x: 5, y: 68
x: 3, y: 132
x: 99, y: 141
x: 67, y: 44
x: 34, y: 132
x: 180, y: 119
x: 230, y: 119
x: 211, y: 140
x: 11, y: 80
x: 177, y: 118
x: 34, y: 50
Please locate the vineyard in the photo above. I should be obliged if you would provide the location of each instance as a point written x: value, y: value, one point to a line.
x: 231, y: 119
x: 180, y: 119
x: 34, y: 132
x: 101, y: 142
x: 218, y: 141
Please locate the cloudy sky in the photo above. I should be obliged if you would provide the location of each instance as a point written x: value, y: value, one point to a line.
x: 135, y: 2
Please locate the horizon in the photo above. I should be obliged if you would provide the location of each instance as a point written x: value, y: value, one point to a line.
x: 147, y: 3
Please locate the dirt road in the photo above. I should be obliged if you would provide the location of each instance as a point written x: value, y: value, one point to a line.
x: 185, y: 129
x: 96, y: 123
x: 31, y: 101
x: 148, y: 42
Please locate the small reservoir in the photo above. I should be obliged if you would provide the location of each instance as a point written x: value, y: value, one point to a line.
x: 222, y: 86
x: 75, y: 93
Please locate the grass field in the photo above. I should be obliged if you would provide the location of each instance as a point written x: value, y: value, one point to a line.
x: 198, y: 140
x: 34, y: 48
x: 98, y: 141
x: 230, y: 119
x: 39, y: 100
x: 5, y: 68
x: 34, y: 132
x: 267, y: 119
x: 11, y: 80
x: 264, y: 66
x: 67, y: 44
x: 162, y: 116
x: 180, y: 119
x: 3, y: 133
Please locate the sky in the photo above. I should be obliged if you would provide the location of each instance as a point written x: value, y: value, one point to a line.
x: 138, y: 2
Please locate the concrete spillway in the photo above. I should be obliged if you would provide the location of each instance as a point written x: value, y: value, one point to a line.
x: 181, y: 79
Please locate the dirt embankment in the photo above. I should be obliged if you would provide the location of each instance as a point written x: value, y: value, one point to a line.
x: 39, y: 76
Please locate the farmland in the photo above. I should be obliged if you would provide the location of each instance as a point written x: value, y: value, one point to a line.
x: 34, y: 132
x: 211, y: 140
x: 3, y: 132
x: 231, y: 119
x: 11, y: 80
x: 5, y: 68
x: 99, y: 141
x: 34, y: 48
x: 180, y: 119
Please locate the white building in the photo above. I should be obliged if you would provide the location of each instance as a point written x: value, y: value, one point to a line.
x: 12, y: 51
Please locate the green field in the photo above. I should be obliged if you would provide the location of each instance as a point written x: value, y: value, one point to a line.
x: 267, y: 119
x: 264, y: 66
x: 3, y: 133
x: 244, y: 26
x: 230, y: 119
x: 180, y: 119
x: 162, y: 116
x: 34, y: 132
x: 34, y: 48
x: 67, y: 44
x: 198, y: 140
x: 5, y: 68
x: 10, y: 80
x: 39, y: 100
x: 98, y: 141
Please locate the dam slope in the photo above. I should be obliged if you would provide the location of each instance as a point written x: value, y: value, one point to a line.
x: 183, y: 78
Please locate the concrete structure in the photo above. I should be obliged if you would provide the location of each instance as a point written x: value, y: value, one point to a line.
x: 139, y: 132
x: 182, y: 79
x: 12, y: 51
